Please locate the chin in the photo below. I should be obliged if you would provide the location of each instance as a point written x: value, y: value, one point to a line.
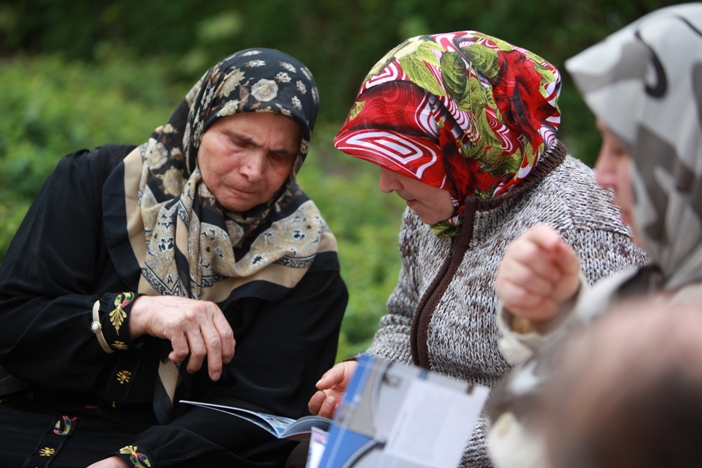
x: 237, y: 207
x: 423, y: 218
x: 430, y: 221
x: 634, y: 231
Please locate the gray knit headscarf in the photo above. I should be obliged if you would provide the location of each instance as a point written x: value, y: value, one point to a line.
x: 645, y: 83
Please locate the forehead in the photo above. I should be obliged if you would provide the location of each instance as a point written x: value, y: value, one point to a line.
x: 606, y: 132
x: 267, y: 126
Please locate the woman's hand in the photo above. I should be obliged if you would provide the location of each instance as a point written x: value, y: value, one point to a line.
x: 112, y: 462
x: 331, y: 388
x: 195, y: 328
x: 538, y: 273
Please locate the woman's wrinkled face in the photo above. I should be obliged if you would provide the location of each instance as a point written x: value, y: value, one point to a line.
x: 431, y: 204
x: 612, y: 171
x: 245, y: 158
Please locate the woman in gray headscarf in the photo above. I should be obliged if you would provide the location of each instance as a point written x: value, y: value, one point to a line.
x: 644, y: 84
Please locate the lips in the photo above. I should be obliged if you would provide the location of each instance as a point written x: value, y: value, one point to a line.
x: 403, y: 197
x: 249, y: 192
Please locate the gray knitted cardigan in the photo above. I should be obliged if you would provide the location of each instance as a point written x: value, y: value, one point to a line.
x: 441, y: 315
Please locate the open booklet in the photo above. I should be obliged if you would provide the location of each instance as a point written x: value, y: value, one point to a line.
x: 396, y: 415
x: 281, y: 427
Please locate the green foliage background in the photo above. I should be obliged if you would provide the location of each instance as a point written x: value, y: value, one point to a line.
x: 78, y: 74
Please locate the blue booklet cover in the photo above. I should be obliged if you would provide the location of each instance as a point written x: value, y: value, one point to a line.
x: 395, y: 415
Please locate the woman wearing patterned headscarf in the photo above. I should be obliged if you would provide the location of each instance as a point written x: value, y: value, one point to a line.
x: 190, y: 267
x: 463, y: 126
x: 644, y: 84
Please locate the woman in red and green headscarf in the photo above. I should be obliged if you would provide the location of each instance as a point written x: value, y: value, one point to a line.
x: 463, y: 112
x: 463, y: 127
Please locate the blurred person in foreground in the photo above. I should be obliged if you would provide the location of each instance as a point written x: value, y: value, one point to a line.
x: 190, y: 267
x: 644, y: 85
x: 626, y: 392
x: 463, y: 126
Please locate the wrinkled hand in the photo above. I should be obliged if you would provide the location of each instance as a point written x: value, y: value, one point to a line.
x: 112, y: 462
x: 538, y: 273
x: 331, y: 387
x: 195, y: 328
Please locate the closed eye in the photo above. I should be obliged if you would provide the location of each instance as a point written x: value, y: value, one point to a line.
x: 282, y: 155
x: 239, y: 141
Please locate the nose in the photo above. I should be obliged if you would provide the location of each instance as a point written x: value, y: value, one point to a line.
x: 253, y: 166
x: 604, y: 169
x: 388, y: 181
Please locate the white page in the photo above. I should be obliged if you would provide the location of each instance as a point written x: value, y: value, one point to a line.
x: 318, y: 440
x: 434, y: 424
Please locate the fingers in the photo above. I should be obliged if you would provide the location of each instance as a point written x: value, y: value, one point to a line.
x: 538, y: 272
x: 180, y: 346
x: 198, y: 330
x: 549, y: 244
x: 226, y: 334
x: 544, y: 236
x: 337, y: 377
x: 567, y: 260
x: 331, y: 387
x: 519, y: 298
x: 207, y: 344
x: 212, y: 339
x: 330, y: 378
x: 325, y: 403
x: 331, y: 403
x: 218, y: 339
x: 315, y: 403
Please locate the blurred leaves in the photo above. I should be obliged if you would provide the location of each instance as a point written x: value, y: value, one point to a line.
x: 58, y: 106
x: 338, y: 41
x: 366, y: 223
x: 220, y: 28
x: 80, y: 74
x: 54, y: 107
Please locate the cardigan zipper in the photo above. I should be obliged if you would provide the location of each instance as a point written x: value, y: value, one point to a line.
x: 438, y: 286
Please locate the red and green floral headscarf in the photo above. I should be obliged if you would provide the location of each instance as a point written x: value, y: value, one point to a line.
x: 462, y: 111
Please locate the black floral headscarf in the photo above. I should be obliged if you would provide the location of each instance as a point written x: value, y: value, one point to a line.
x: 191, y: 246
x: 253, y: 80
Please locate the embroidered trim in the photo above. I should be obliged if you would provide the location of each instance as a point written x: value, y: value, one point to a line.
x: 296, y: 262
x: 47, y: 451
x: 118, y: 315
x: 64, y: 425
x: 123, y: 376
x: 96, y: 328
x: 120, y: 346
x: 139, y: 460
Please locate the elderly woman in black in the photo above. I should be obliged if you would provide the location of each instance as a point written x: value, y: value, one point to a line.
x: 192, y: 266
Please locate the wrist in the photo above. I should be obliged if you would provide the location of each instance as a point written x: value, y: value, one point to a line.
x: 111, y: 321
x: 137, y: 315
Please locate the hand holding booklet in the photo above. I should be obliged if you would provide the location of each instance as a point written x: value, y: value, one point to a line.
x: 392, y: 415
x: 395, y: 415
x: 279, y: 426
